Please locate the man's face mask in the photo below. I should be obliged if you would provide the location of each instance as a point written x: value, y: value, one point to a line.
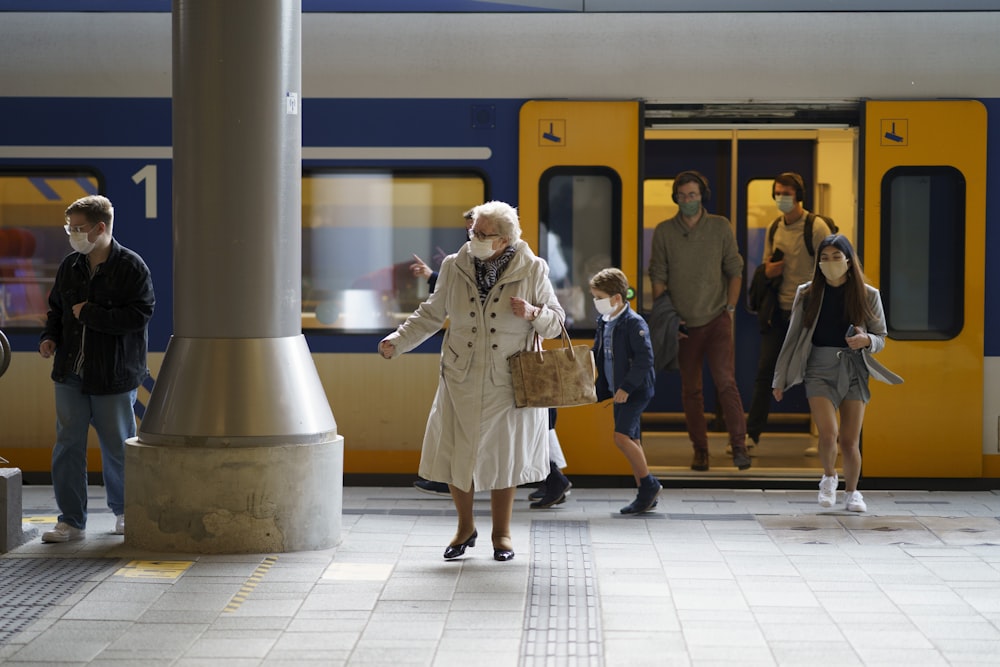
x: 80, y: 243
x: 785, y: 203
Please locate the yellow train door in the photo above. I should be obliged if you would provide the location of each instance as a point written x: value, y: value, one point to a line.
x: 579, y: 203
x: 924, y: 233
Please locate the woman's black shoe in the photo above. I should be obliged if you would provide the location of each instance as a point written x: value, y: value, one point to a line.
x: 456, y: 550
x: 503, y: 554
x: 553, y: 491
x: 555, y: 494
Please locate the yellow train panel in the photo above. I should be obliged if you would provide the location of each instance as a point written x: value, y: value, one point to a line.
x: 930, y: 426
x: 584, y: 134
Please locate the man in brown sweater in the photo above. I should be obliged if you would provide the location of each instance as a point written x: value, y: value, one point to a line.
x: 694, y: 256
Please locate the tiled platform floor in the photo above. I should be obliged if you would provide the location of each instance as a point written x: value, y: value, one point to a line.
x: 743, y: 577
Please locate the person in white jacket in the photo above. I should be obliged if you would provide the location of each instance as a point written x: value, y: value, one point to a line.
x: 837, y: 324
x: 496, y: 295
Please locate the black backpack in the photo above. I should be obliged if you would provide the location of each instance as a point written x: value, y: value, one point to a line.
x: 807, y: 232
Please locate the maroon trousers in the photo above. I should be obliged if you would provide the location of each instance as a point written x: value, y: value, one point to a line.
x: 713, y: 343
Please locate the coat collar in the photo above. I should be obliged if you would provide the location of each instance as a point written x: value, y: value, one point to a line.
x: 519, y: 264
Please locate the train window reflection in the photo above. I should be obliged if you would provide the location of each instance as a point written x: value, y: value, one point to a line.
x: 579, y: 234
x: 923, y: 252
x: 360, y: 231
x: 32, y: 239
x: 760, y: 214
x: 657, y: 206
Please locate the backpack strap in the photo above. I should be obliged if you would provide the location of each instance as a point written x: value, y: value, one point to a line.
x: 808, y: 231
x: 772, y: 231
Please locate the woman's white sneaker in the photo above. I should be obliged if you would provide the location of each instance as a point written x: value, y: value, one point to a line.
x: 827, y: 491
x: 63, y: 532
x: 856, y: 502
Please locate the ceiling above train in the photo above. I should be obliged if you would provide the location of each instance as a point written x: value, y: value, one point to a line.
x: 573, y: 6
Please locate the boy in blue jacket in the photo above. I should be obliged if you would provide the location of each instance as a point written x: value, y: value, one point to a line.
x: 624, y: 358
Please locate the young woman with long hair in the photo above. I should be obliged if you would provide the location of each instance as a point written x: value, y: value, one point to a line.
x: 837, y: 324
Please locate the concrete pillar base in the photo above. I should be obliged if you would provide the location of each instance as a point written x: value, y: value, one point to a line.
x: 12, y: 532
x: 208, y: 500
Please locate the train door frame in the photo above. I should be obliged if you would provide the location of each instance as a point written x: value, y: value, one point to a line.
x: 826, y: 154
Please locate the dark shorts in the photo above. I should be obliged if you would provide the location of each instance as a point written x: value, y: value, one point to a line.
x: 628, y: 415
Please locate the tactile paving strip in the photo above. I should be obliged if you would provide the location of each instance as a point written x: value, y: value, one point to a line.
x: 562, y: 620
x: 30, y: 585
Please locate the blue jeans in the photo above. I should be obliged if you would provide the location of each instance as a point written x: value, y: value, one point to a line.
x: 114, y: 420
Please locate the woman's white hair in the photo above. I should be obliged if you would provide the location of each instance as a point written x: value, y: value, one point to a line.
x: 503, y: 216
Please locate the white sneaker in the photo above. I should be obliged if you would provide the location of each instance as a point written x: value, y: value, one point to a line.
x: 119, y: 524
x: 855, y: 502
x: 63, y: 532
x: 827, y: 491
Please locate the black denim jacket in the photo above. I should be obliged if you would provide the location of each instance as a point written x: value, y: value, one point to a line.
x: 119, y: 303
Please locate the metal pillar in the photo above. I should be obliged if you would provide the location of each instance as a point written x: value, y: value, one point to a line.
x: 238, y: 451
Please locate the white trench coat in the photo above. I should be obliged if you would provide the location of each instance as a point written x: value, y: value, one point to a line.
x: 475, y: 438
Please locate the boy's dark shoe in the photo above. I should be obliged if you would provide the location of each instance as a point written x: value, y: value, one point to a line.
x: 433, y: 488
x: 645, y: 499
x: 556, y: 487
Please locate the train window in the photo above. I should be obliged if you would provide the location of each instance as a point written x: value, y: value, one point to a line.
x: 760, y: 214
x: 360, y: 231
x: 657, y: 206
x: 579, y: 234
x: 923, y: 252
x: 32, y: 239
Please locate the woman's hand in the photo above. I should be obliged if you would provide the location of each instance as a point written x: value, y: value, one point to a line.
x: 386, y: 349
x: 777, y: 393
x: 523, y: 309
x: 621, y: 396
x: 859, y: 341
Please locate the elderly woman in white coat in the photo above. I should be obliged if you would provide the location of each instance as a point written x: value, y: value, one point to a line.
x: 837, y: 324
x: 496, y: 295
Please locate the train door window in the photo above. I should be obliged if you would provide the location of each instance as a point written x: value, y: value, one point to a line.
x: 923, y: 252
x: 360, y: 231
x: 657, y: 206
x: 579, y: 234
x: 32, y: 239
x: 761, y: 212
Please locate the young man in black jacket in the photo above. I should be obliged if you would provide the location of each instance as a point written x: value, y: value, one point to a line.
x: 99, y: 309
x: 788, y: 262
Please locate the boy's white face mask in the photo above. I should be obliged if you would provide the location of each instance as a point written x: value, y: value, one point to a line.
x: 604, y: 306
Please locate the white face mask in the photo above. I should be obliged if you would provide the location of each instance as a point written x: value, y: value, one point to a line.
x: 785, y: 202
x: 833, y: 269
x: 481, y: 249
x: 604, y: 306
x: 79, y: 242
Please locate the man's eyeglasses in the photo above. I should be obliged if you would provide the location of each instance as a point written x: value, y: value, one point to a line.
x: 76, y: 229
x: 694, y: 196
x: 479, y: 236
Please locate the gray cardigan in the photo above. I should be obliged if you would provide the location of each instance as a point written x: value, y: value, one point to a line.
x: 791, y: 365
